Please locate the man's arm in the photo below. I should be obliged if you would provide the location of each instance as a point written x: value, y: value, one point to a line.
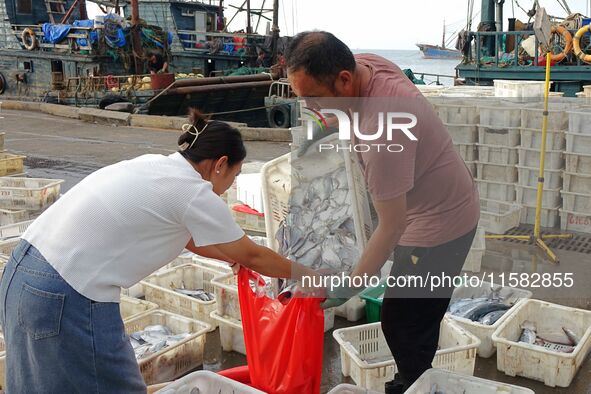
x: 210, y: 251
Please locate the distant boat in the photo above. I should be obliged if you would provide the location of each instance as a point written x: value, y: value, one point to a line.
x: 440, y: 51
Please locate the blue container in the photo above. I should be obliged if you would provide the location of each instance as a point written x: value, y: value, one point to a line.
x: 586, y: 21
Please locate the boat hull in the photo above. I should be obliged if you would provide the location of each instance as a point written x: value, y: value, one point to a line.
x: 435, y: 52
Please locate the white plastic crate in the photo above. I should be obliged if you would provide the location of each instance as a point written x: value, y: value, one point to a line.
x: 8, y: 216
x: 184, y: 258
x: 248, y: 190
x: 577, y: 183
x: 578, y: 163
x: 8, y: 245
x: 501, y: 115
x: 157, y: 289
x: 496, y: 172
x: 28, y: 193
x: 221, y: 266
x: 452, y: 113
x: 350, y: 389
x: 448, y: 382
x: 577, y: 202
x: 207, y: 382
x: 549, y: 217
x: 466, y: 151
x: 500, y: 136
x: 579, y: 122
x: 14, y: 230
x: 463, y: 133
x: 132, y: 307
x: 483, y: 332
x: 531, y: 158
x: 519, y: 89
x: 176, y: 360
x: 135, y: 291
x: 532, y: 118
x: 498, y: 217
x: 527, y: 195
x: 536, y: 362
x: 528, y: 176
x: 11, y: 164
x: 248, y: 221
x: 499, y: 191
x: 532, y: 139
x: 366, y: 357
x: 497, y: 154
x: 226, y: 295
x: 578, y: 143
x: 575, y: 221
x: 231, y: 333
x: 352, y: 310
x: 472, y: 167
x: 473, y: 261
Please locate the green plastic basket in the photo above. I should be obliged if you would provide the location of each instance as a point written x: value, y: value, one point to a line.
x: 373, y: 302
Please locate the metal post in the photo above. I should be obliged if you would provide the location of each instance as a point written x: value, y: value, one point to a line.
x: 248, y: 25
x: 136, y: 39
x: 487, y: 18
x: 275, y: 30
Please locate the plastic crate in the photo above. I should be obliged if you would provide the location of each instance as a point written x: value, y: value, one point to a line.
x: 498, y: 217
x: 501, y: 115
x: 497, y: 154
x: 8, y: 216
x: 157, y: 289
x: 549, y: 217
x: 531, y: 118
x: 350, y: 389
x: 452, y: 113
x: 448, y: 382
x: 366, y: 357
x: 135, y: 291
x: 496, y: 172
x: 352, y: 310
x: 519, y: 89
x: 577, y: 183
x: 473, y: 261
x: 575, y: 221
x: 578, y: 163
x: 2, y: 136
x: 373, y: 297
x: 531, y: 158
x: 483, y: 332
x: 226, y: 295
x: 579, y: 122
x: 28, y: 193
x: 207, y: 382
x: 221, y: 266
x: 527, y: 195
x: 14, y: 230
x: 11, y: 164
x: 578, y: 143
x: 472, y: 167
x: 184, y: 258
x: 132, y: 307
x: 231, y: 333
x: 499, y: 191
x: 249, y: 222
x: 500, y: 136
x: 8, y: 245
x: 466, y: 151
x: 463, y: 133
x: 532, y: 139
x: 173, y: 361
x: 528, y: 176
x: 536, y: 362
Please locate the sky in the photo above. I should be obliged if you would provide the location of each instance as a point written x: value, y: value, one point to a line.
x: 386, y: 24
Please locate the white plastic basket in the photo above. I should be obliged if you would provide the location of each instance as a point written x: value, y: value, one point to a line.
x: 527, y: 195
x: 11, y: 164
x: 528, y: 176
x: 8, y: 216
x: 532, y: 139
x: 207, y: 382
x: 184, y: 258
x: 157, y: 289
x: 576, y: 202
x: 481, y: 331
x: 578, y: 143
x: 14, y: 230
x: 132, y: 307
x: 471, y: 165
x: 498, y: 217
x: 579, y: 122
x: 366, y: 357
x: 226, y: 295
x: 231, y: 333
x: 460, y: 114
x: 449, y: 382
x: 466, y: 151
x: 499, y: 191
x: 501, y: 115
x: 577, y: 183
x: 531, y: 158
x: 496, y: 172
x: 473, y: 261
x: 173, y: 361
x: 575, y: 221
x: 8, y: 245
x: 350, y: 389
x: 549, y: 217
x: 536, y: 362
x: 500, y: 136
x: 463, y: 133
x: 519, y: 89
x: 578, y: 163
x: 28, y: 193
x: 531, y: 118
x: 221, y: 266
x: 497, y: 154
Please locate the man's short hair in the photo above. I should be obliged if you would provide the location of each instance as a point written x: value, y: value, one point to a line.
x: 320, y: 54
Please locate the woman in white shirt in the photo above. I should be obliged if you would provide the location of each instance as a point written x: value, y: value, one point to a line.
x: 60, y: 290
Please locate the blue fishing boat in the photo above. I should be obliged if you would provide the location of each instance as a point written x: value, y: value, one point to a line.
x: 440, y: 51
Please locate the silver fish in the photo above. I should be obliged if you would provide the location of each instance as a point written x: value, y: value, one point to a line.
x: 458, y: 305
x: 153, y: 339
x: 555, y: 347
x: 491, y: 318
x: 528, y: 332
x: 479, y: 310
x: 200, y: 294
x: 558, y: 337
x: 572, y: 336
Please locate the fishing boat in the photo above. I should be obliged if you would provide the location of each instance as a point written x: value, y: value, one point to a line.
x: 440, y: 51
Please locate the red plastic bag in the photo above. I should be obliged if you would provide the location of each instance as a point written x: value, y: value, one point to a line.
x: 283, y: 342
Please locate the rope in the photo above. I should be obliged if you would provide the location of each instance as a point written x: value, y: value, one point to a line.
x: 243, y: 110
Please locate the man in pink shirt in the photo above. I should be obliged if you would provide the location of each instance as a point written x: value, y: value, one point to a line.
x: 426, y: 199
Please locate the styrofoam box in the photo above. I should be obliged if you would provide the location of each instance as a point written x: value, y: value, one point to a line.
x: 528, y: 176
x: 473, y: 261
x: 536, y: 362
x: 548, y: 216
x: 176, y: 360
x: 578, y: 163
x: 483, y: 332
x: 463, y: 133
x: 528, y: 195
x: 499, y: 191
x: 501, y: 115
x: 466, y: 151
x: 532, y: 139
x: 575, y: 221
x: 579, y: 122
x: 132, y: 307
x: 577, y: 202
x: 498, y: 217
x: 231, y: 333
x: 14, y: 230
x: 350, y: 389
x: 8, y: 216
x: 352, y: 310
x: 457, y: 113
x: 157, y: 289
x: 28, y: 193
x: 503, y: 136
x: 366, y: 357
x: 531, y: 158
x: 497, y: 154
x: 519, y: 89
x: 578, y: 143
x: 496, y: 172
x: 207, y: 382
x: 576, y: 183
x: 448, y: 382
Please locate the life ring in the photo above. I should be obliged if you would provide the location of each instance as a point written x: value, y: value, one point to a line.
x: 29, y: 39
x: 279, y: 117
x: 557, y: 57
x: 577, y: 44
x: 2, y: 83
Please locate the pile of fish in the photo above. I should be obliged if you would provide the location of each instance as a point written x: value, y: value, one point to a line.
x: 199, y: 294
x: 485, y: 310
x: 153, y: 339
x: 318, y: 230
x: 563, y: 341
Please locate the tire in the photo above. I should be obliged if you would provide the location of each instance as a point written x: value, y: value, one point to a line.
x: 279, y: 116
x: 2, y: 83
x: 111, y: 99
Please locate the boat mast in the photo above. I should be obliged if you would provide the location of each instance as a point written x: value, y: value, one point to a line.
x: 275, y: 31
x: 135, y: 37
x: 443, y: 39
x: 248, y: 25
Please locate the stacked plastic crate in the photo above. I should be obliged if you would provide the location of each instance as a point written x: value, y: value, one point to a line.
x: 576, y: 187
x: 529, y: 162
